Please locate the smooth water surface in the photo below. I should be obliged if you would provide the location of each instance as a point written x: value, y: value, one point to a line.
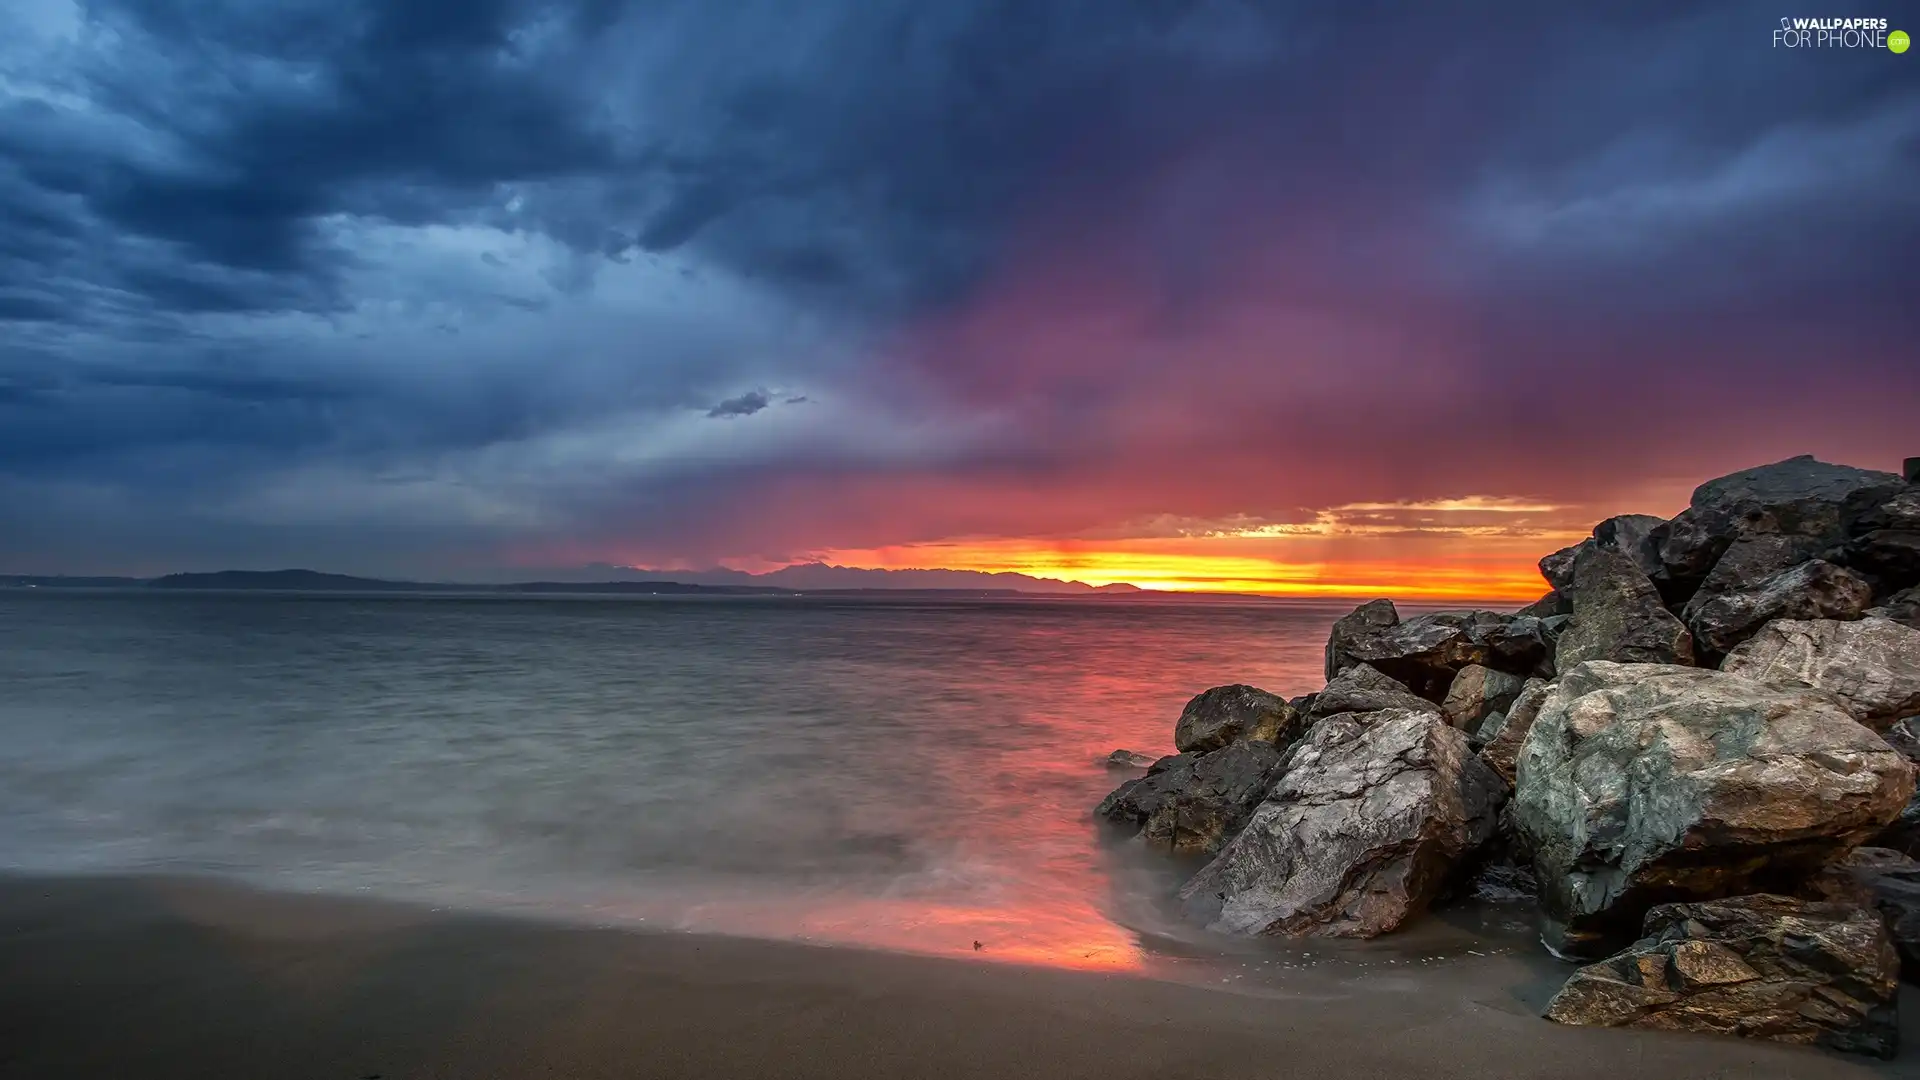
x: 905, y: 773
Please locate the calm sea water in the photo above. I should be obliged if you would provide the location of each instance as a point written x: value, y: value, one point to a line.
x: 902, y: 773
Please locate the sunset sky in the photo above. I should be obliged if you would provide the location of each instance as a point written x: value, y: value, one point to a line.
x: 1348, y: 298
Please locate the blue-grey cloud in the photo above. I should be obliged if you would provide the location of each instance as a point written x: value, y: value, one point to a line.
x: 396, y: 281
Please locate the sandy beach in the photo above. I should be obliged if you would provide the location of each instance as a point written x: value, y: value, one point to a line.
x: 164, y: 977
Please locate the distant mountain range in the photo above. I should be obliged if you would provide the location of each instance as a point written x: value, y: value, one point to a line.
x: 809, y: 578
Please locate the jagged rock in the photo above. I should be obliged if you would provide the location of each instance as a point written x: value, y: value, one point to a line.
x: 1501, y: 870
x: 1192, y: 803
x: 1547, y: 606
x: 1762, y: 967
x: 1904, y: 834
x: 1796, y: 497
x: 1557, y: 568
x: 1225, y: 714
x: 1872, y: 666
x: 1618, y: 615
x: 1904, y: 736
x: 1128, y: 759
x: 1811, y: 590
x: 1361, y: 689
x: 1902, y: 607
x: 1748, y: 562
x: 1359, y: 835
x: 1885, y: 542
x: 1642, y: 783
x: 1503, y: 742
x: 1476, y: 693
x: 1636, y: 536
x: 1425, y: 651
x: 1889, y: 881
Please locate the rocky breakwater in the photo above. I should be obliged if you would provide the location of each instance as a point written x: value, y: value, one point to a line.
x: 1685, y: 742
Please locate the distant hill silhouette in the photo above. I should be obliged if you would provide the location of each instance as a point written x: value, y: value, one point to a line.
x: 285, y: 580
x: 810, y: 579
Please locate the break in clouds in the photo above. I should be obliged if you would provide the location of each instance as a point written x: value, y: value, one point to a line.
x: 411, y: 286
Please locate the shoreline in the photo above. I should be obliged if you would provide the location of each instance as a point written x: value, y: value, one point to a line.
x: 174, y: 976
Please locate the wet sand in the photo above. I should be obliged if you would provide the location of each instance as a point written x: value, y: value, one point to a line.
x: 162, y: 977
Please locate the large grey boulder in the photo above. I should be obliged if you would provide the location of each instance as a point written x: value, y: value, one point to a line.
x: 1812, y: 590
x: 1798, y: 497
x: 1361, y: 689
x: 1191, y: 803
x: 1359, y: 835
x: 1226, y: 714
x: 1761, y: 967
x: 1508, y: 732
x: 1645, y: 783
x: 1872, y: 666
x: 1425, y: 651
x: 1618, y: 615
x: 1477, y: 693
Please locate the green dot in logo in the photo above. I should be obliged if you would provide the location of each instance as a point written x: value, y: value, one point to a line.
x: 1898, y: 41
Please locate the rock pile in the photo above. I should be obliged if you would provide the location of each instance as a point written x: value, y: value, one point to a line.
x: 1686, y: 741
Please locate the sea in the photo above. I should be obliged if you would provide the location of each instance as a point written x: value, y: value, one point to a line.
x: 905, y: 773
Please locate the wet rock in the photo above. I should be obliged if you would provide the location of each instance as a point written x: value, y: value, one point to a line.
x: 1191, y: 803
x: 1226, y: 714
x: 1761, y: 967
x: 1359, y: 835
x: 1618, y: 615
x: 1425, y: 651
x: 1885, y: 543
x: 1476, y: 693
x: 1128, y: 759
x: 1902, y: 607
x: 1642, y: 783
x: 1872, y: 666
x: 1503, y: 742
x: 1798, y: 497
x: 1811, y: 590
x: 1361, y: 689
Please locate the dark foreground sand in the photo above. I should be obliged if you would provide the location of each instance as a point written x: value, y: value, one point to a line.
x: 134, y: 978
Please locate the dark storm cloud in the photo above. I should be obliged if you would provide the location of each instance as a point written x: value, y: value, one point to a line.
x: 745, y: 405
x: 508, y: 243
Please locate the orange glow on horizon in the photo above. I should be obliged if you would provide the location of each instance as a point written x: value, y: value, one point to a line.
x: 1483, y: 575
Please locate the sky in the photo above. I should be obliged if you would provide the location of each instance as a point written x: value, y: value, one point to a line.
x: 1362, y: 298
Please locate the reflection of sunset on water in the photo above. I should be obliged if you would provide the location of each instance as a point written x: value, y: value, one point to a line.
x: 906, y: 773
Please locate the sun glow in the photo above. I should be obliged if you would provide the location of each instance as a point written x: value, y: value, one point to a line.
x: 1172, y: 565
